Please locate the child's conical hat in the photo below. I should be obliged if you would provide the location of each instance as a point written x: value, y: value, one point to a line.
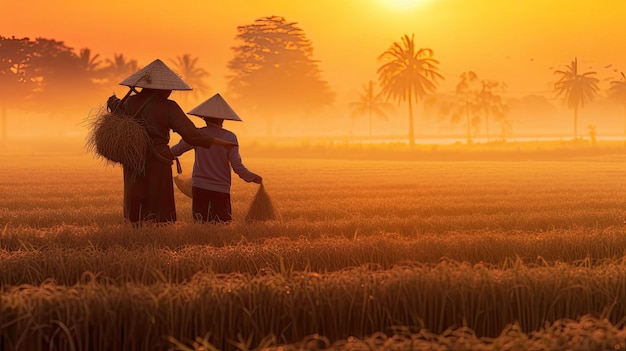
x: 215, y: 107
x: 156, y: 76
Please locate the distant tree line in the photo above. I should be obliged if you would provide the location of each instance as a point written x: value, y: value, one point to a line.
x: 45, y: 75
x: 409, y: 75
x: 40, y: 72
x: 273, y: 74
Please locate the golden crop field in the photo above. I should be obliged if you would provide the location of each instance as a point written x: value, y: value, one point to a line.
x: 437, y: 255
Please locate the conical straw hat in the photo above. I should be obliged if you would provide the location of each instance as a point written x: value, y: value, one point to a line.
x: 215, y: 107
x: 156, y: 76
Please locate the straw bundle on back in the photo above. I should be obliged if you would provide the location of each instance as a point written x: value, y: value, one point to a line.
x: 261, y: 208
x: 118, y: 139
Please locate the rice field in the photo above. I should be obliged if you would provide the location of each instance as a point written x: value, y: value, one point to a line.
x: 375, y: 255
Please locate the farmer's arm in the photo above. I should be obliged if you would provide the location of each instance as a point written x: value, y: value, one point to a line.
x: 192, y: 135
x: 181, y: 148
x: 238, y: 167
x: 182, y: 125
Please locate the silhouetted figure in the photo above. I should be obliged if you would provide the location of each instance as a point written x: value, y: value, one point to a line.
x: 150, y: 196
x: 211, y: 177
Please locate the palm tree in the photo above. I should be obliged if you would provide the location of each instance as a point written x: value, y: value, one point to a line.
x: 617, y: 91
x: 577, y: 88
x: 87, y: 62
x: 120, y: 67
x: 185, y: 65
x: 466, y: 91
x: 90, y: 66
x: 408, y: 75
x: 370, y: 103
x: 491, y: 103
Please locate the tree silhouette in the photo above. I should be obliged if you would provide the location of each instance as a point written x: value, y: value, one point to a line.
x: 474, y: 99
x: 65, y: 79
x: 15, y: 81
x: 119, y: 67
x: 186, y: 66
x: 53, y: 64
x: 370, y: 103
x: 88, y: 63
x: 467, y: 106
x: 273, y: 72
x: 46, y: 76
x: 490, y: 104
x: 577, y: 88
x: 617, y: 92
x: 409, y: 74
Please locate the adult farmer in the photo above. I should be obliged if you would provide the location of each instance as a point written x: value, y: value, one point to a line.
x: 211, y: 177
x: 149, y: 195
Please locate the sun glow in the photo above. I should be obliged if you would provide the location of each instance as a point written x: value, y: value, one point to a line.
x: 403, y: 5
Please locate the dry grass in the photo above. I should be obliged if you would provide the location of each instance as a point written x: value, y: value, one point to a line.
x: 443, y: 249
x: 291, y: 305
x: 566, y: 334
x: 177, y: 254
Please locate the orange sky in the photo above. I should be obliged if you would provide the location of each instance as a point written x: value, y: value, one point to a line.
x: 509, y: 40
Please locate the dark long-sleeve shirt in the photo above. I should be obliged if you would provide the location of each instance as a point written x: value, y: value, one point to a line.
x: 150, y: 196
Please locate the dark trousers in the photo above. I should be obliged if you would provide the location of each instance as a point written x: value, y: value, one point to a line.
x: 149, y: 197
x: 210, y: 206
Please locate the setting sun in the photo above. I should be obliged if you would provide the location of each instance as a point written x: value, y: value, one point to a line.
x: 403, y: 5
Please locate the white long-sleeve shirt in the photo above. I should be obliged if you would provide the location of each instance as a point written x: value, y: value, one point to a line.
x: 211, y: 169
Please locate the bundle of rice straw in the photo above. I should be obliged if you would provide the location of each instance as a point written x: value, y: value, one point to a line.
x: 261, y: 208
x: 118, y: 139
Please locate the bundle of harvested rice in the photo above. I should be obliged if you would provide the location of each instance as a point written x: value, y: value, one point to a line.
x: 261, y: 208
x: 118, y: 139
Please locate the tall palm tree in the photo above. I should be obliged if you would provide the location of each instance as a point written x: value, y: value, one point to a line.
x: 491, y: 103
x: 617, y: 91
x: 468, y: 105
x: 370, y: 103
x: 409, y: 74
x: 90, y: 66
x: 120, y: 67
x: 577, y: 88
x: 88, y: 62
x: 186, y: 66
